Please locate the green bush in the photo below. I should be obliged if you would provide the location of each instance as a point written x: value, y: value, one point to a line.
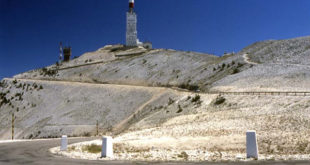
x: 48, y: 72
x: 196, y: 98
x: 219, y: 100
x: 170, y: 101
x: 190, y: 87
x: 179, y: 109
x: 235, y: 71
x: 93, y: 148
x: 183, y: 155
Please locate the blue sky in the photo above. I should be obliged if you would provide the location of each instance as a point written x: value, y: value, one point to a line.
x: 30, y: 30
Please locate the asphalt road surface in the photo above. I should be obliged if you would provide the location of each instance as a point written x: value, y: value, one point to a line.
x: 36, y: 153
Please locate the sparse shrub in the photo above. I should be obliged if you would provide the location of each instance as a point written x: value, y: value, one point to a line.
x: 93, y: 148
x: 219, y: 100
x: 144, y: 61
x: 179, y: 109
x: 183, y: 155
x: 223, y: 65
x: 14, y: 81
x: 214, y: 69
x: 239, y: 65
x: 235, y: 71
x: 86, y: 134
x: 48, y: 72
x: 170, y: 101
x: 233, y: 63
x: 41, y: 87
x: 4, y: 101
x: 196, y: 98
x: 189, y: 87
x: 72, y: 148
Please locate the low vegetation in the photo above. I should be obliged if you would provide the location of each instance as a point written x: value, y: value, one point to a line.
x: 196, y: 99
x: 219, y: 100
x: 179, y: 109
x: 183, y: 155
x: 190, y: 87
x: 170, y: 101
x: 48, y: 72
x: 93, y: 148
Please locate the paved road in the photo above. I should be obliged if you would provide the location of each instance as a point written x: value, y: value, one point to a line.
x: 36, y: 153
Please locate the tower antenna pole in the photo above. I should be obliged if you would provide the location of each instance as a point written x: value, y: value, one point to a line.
x: 60, y: 52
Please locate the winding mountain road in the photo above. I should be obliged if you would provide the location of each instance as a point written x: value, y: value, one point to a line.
x: 247, y: 59
x: 36, y: 153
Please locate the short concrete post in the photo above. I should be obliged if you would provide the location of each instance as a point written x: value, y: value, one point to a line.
x: 64, y: 143
x: 107, y: 147
x: 251, y: 145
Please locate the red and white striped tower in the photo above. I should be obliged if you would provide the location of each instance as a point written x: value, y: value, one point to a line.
x: 131, y: 30
x: 131, y: 5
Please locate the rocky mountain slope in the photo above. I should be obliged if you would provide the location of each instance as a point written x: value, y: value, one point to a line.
x: 134, y: 93
x: 157, y: 67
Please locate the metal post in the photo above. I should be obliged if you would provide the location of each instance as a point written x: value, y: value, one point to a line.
x: 97, y: 127
x: 13, y: 119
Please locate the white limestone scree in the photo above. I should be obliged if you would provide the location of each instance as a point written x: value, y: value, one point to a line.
x: 251, y: 145
x: 107, y: 147
x: 64, y: 143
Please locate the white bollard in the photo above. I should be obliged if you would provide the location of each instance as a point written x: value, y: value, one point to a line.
x: 107, y: 147
x: 251, y: 145
x: 64, y: 143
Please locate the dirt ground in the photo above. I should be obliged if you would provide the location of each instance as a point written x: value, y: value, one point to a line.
x: 214, y: 130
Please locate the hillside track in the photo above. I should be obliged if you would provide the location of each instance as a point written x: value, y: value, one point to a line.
x: 257, y: 93
x: 36, y: 153
x: 247, y: 59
